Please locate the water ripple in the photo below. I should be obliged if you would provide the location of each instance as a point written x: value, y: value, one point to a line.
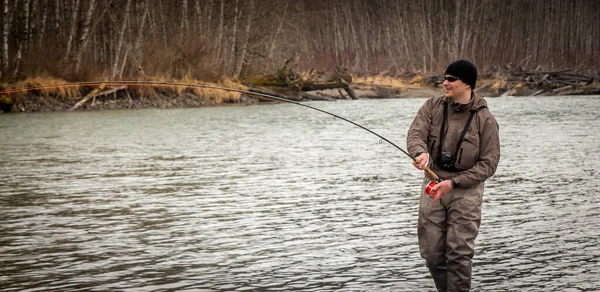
x: 278, y: 198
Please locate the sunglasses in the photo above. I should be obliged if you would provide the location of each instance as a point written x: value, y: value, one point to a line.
x: 450, y: 78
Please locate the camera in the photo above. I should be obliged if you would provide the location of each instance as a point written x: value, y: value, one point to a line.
x: 447, y: 161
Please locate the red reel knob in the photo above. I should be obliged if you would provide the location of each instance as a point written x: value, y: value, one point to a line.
x: 429, y: 189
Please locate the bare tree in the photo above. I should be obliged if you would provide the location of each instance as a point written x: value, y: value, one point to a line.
x: 237, y: 37
x: 220, y: 30
x: 73, y: 30
x: 234, y: 32
x: 25, y: 37
x: 243, y: 52
x: 5, y: 32
x: 43, y: 23
x: 84, y: 34
x: 120, y: 40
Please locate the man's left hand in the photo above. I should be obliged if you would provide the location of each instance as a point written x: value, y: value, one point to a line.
x: 441, y: 189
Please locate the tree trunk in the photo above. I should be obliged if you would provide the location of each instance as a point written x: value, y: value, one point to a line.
x: 138, y: 44
x: 5, y: 31
x: 137, y: 47
x: 184, y: 18
x: 26, y: 23
x: 123, y: 63
x: 220, y: 31
x: 277, y: 32
x: 120, y: 41
x: 14, y: 8
x: 84, y: 34
x: 208, y: 17
x: 43, y: 24
x: 18, y: 59
x: 242, y: 57
x: 23, y: 41
x: 233, y: 36
x: 73, y: 30
x: 32, y: 24
x: 162, y: 22
x: 57, y: 30
x: 198, y: 17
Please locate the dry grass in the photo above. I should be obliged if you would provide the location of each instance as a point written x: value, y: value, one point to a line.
x: 382, y: 80
x: 52, y: 87
x: 180, y: 87
x: 498, y: 85
x: 186, y: 88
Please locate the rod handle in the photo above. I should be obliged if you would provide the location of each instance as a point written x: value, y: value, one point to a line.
x: 432, y: 174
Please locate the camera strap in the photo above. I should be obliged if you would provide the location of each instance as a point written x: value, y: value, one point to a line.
x: 464, y: 132
x: 462, y: 135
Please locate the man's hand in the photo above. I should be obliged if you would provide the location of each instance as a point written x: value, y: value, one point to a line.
x: 441, y: 189
x: 421, y: 161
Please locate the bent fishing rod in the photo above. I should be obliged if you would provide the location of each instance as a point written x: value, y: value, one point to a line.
x: 198, y: 85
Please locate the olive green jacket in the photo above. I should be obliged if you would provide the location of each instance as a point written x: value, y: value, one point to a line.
x: 479, y: 152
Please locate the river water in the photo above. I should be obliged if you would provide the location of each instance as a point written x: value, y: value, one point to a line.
x: 279, y: 197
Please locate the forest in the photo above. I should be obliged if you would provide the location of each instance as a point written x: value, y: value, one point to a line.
x: 83, y: 40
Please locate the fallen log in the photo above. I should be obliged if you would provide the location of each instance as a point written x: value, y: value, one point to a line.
x: 538, y: 92
x: 287, y: 79
x: 540, y: 72
x: 312, y: 86
x: 562, y: 89
x: 270, y: 92
x: 96, y: 92
x: 573, y: 92
x: 309, y: 96
x: 477, y: 89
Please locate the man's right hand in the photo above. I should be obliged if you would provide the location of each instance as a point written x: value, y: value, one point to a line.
x: 421, y: 161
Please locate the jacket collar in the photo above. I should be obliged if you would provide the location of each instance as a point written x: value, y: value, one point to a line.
x: 475, y: 103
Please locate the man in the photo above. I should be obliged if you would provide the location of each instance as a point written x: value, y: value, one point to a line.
x: 456, y: 136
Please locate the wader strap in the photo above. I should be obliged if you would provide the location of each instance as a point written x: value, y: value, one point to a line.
x: 439, y: 154
x: 462, y: 135
x: 464, y: 132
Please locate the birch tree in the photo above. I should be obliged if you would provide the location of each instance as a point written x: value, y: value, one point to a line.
x: 120, y: 40
x: 24, y: 36
x: 243, y: 51
x: 5, y: 31
x: 84, y: 34
x: 43, y: 23
x: 234, y: 31
x: 73, y: 30
x: 220, y: 30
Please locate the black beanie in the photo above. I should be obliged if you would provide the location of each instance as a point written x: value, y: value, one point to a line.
x: 463, y: 70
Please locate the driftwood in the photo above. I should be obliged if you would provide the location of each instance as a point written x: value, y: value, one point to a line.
x: 266, y: 91
x: 96, y: 92
x: 478, y: 88
x: 554, y: 79
x: 310, y: 96
x: 546, y: 82
x: 286, y: 80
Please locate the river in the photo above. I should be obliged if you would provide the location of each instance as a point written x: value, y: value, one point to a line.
x: 279, y: 197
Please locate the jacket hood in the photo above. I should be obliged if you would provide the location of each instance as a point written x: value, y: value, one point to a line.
x: 478, y: 102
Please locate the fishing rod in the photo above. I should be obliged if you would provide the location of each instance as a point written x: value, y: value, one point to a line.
x: 199, y: 85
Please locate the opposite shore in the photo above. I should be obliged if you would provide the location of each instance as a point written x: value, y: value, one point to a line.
x: 36, y: 94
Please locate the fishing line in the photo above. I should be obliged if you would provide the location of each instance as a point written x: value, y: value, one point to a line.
x: 198, y: 85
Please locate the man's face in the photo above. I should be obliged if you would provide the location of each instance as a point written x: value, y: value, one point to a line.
x: 454, y: 87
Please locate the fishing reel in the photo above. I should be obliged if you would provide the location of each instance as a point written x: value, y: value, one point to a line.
x: 429, y: 188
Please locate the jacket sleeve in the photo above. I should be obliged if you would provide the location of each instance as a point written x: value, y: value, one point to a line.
x: 416, y: 139
x: 489, y: 155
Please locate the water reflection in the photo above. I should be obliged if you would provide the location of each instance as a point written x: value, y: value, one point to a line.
x: 279, y: 197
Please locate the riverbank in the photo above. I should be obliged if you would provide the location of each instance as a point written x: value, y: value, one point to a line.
x: 48, y: 94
